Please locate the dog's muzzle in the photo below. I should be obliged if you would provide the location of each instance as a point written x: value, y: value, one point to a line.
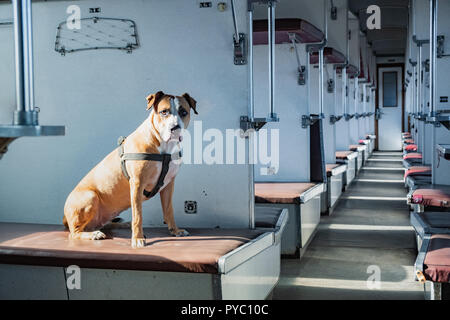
x: 175, y: 128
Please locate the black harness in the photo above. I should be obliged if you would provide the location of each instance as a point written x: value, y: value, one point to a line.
x: 165, y: 158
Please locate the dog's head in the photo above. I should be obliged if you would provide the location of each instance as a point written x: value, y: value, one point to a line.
x: 171, y: 113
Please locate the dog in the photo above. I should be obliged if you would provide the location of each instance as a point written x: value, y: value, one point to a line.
x: 106, y: 190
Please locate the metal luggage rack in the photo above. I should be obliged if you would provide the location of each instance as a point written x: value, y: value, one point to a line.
x: 97, y: 33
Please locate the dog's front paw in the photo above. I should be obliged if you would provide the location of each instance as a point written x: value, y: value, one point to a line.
x: 179, y: 233
x: 98, y: 235
x: 138, y: 243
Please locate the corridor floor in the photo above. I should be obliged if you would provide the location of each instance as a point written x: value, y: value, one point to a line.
x: 367, y: 238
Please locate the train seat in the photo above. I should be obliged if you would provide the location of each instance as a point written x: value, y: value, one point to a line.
x: 303, y: 203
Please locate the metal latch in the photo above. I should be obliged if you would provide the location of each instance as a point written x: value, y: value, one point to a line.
x: 302, y: 75
x: 330, y: 85
x: 240, y: 50
x: 440, y: 46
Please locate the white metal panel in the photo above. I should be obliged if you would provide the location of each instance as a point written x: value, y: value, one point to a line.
x: 32, y: 282
x: 108, y: 284
x: 291, y: 102
x: 390, y: 123
x: 254, y: 279
x: 441, y: 172
x: 337, y: 29
x: 100, y: 95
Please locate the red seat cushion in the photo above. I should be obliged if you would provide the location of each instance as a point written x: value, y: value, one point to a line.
x: 418, y: 171
x: 432, y: 197
x: 411, y: 147
x: 412, y: 155
x: 437, y: 259
x: 409, y: 141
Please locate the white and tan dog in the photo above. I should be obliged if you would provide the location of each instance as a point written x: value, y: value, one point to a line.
x: 105, y: 191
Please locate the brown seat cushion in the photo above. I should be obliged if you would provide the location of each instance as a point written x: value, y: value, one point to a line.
x: 285, y: 192
x: 437, y: 259
x: 342, y: 155
x: 267, y: 217
x: 354, y: 147
x: 48, y: 245
x: 432, y: 197
x: 304, y: 31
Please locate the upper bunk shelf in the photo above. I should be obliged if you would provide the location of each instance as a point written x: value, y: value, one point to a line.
x: 352, y: 71
x: 304, y: 31
x: 330, y: 55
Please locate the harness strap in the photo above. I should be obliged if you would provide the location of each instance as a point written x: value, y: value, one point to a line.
x: 164, y: 158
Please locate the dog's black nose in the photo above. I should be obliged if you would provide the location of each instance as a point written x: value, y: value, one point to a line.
x: 175, y: 128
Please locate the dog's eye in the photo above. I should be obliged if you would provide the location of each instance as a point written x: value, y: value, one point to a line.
x: 183, y: 113
x: 164, y: 112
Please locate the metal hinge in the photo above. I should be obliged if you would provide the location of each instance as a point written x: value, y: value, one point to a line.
x: 334, y: 119
x: 347, y: 116
x: 311, y: 119
x: 257, y: 123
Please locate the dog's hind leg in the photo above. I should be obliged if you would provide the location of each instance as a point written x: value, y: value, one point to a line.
x: 80, y: 209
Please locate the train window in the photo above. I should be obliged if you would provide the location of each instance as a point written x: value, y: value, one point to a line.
x: 390, y: 89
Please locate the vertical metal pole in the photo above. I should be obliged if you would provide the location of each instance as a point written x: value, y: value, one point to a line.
x: 251, y: 114
x: 251, y: 111
x: 321, y: 82
x: 419, y: 79
x: 23, y: 37
x: 433, y: 78
x: 28, y: 54
x: 344, y: 90
x: 20, y: 95
x: 271, y: 40
x: 433, y: 54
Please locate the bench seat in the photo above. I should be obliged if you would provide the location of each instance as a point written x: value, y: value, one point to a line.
x: 286, y: 192
x: 334, y: 169
x: 437, y: 259
x: 418, y: 171
x: 346, y: 155
x: 411, y: 148
x: 49, y: 245
x: 432, y: 196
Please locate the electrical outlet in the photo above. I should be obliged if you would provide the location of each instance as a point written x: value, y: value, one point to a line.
x: 268, y: 171
x: 190, y: 207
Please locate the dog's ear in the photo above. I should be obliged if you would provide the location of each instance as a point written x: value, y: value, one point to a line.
x: 154, y: 99
x: 191, y: 101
